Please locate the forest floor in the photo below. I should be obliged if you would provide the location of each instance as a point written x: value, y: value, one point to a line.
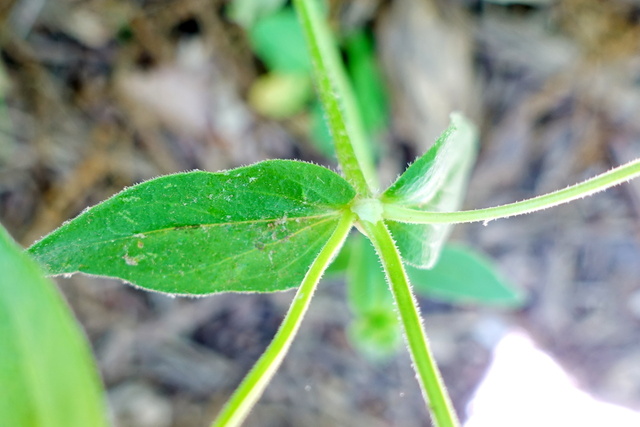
x: 99, y: 95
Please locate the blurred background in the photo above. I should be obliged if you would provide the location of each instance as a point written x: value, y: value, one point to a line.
x: 96, y: 95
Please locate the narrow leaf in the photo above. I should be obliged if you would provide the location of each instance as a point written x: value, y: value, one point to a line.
x: 368, y: 86
x: 366, y: 285
x: 47, y: 377
x: 462, y: 276
x: 252, y: 229
x: 375, y: 329
x: 434, y: 182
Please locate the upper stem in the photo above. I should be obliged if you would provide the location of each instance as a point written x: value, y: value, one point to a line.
x: 600, y: 182
x: 429, y: 378
x: 337, y: 99
x: 253, y: 385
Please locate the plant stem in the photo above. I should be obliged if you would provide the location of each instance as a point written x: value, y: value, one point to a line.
x: 429, y: 378
x: 593, y: 185
x: 337, y: 99
x: 253, y: 385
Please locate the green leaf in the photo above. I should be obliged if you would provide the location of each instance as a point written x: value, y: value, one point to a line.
x: 367, y: 84
x: 277, y: 39
x: 252, y: 229
x: 463, y: 276
x: 376, y: 334
x: 366, y: 284
x: 434, y: 182
x: 370, y: 96
x: 320, y: 133
x: 375, y: 331
x: 47, y: 376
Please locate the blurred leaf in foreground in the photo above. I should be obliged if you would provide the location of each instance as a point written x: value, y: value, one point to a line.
x: 47, y: 375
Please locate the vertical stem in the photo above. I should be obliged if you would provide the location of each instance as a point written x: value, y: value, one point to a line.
x: 253, y: 385
x: 429, y: 378
x: 337, y: 99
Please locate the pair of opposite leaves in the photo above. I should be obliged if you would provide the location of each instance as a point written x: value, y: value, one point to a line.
x: 252, y: 229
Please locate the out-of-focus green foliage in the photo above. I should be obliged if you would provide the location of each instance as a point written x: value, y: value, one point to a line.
x: 47, y: 375
x: 463, y: 276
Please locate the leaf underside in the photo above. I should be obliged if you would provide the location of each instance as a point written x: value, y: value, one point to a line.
x: 434, y: 182
x: 251, y: 229
x: 47, y: 377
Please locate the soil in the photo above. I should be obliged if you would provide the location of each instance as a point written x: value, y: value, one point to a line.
x: 100, y: 95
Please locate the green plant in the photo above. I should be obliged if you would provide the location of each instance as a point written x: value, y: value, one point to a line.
x: 276, y: 37
x: 47, y: 376
x: 285, y: 90
x: 276, y: 225
x: 460, y: 276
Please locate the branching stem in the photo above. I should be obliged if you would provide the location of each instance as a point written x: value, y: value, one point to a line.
x: 429, y: 378
x: 355, y: 160
x: 254, y: 384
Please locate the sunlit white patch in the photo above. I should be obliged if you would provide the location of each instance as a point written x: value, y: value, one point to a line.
x: 525, y: 387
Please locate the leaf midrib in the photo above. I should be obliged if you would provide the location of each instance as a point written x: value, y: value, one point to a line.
x: 266, y: 245
x: 196, y: 226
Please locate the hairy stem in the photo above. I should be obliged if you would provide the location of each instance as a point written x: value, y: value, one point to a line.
x: 337, y: 99
x: 429, y: 378
x: 593, y: 185
x: 253, y: 385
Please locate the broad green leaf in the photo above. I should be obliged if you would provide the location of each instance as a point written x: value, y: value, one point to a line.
x: 277, y: 39
x: 252, y: 229
x: 375, y: 330
x: 435, y: 182
x: 47, y: 376
x: 462, y: 276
